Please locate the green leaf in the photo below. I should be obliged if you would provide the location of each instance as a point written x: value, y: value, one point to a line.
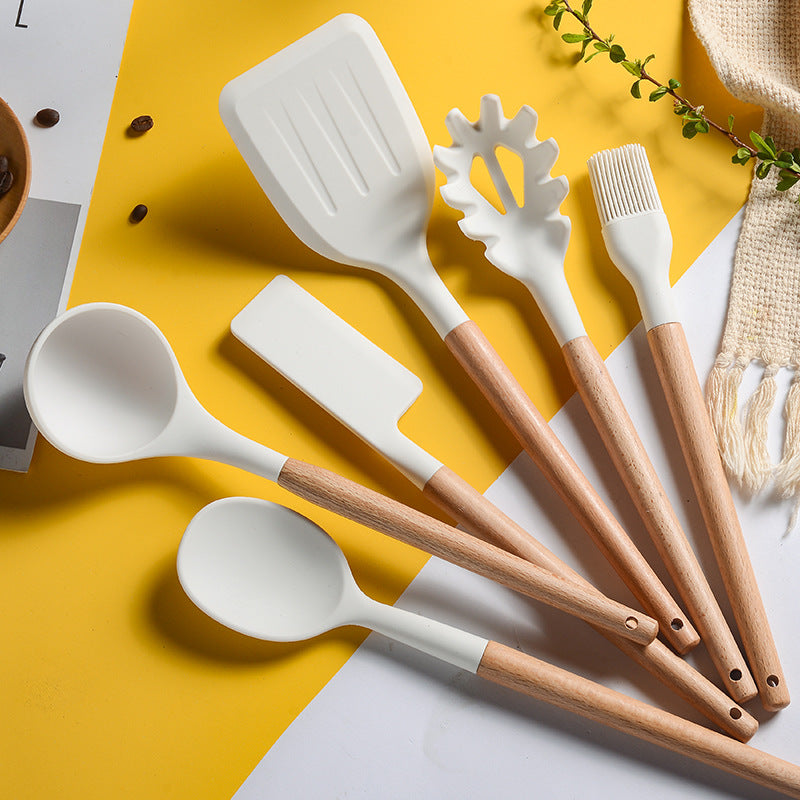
x: 552, y: 9
x: 788, y: 179
x: 648, y: 59
x: 701, y: 126
x: 689, y: 131
x: 673, y: 84
x: 762, y: 144
x: 636, y: 90
x: 657, y: 94
x: 557, y: 18
x: 602, y: 47
x: 616, y: 54
x: 680, y: 108
x: 632, y: 67
x: 762, y: 170
x: 573, y: 38
x: 587, y: 7
x: 730, y: 122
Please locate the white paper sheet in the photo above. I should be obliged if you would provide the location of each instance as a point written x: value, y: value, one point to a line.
x: 395, y: 724
x: 62, y: 55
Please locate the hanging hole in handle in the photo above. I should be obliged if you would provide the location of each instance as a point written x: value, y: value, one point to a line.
x: 735, y: 675
x: 631, y: 623
x: 736, y: 713
x: 773, y: 681
x: 676, y: 624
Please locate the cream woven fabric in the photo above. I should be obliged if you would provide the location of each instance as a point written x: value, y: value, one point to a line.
x: 754, y: 46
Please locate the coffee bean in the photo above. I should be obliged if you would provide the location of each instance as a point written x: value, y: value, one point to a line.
x: 142, y: 124
x: 6, y: 181
x: 47, y: 117
x: 139, y: 213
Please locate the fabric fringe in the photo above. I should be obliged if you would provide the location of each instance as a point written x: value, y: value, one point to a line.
x: 722, y: 396
x: 787, y: 476
x: 758, y: 467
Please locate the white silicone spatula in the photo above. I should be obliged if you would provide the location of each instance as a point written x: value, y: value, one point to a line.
x: 267, y: 572
x: 330, y: 134
x: 369, y: 391
x: 528, y: 240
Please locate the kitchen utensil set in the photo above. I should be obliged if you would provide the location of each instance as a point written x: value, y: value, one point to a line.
x: 333, y: 139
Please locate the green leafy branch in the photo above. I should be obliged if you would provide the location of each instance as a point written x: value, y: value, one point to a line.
x: 693, y: 117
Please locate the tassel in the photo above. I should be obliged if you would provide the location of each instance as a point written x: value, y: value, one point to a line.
x: 722, y: 393
x: 758, y: 467
x: 788, y: 472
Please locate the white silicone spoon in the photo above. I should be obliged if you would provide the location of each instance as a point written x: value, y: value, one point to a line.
x: 270, y: 573
x: 102, y: 384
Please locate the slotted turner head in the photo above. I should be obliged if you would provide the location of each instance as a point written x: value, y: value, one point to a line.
x: 333, y: 139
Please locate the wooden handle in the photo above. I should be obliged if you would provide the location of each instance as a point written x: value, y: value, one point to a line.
x: 687, y: 406
x: 605, y: 407
x: 356, y: 502
x: 556, y: 686
x: 477, y: 514
x: 495, y: 380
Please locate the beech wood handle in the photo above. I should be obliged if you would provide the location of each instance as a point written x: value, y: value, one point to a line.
x: 479, y: 516
x: 356, y: 502
x: 492, y: 376
x: 608, y: 412
x: 556, y: 686
x: 687, y: 406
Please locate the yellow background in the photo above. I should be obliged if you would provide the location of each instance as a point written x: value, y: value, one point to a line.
x: 113, y: 684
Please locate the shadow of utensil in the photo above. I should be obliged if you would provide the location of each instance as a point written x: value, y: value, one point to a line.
x: 55, y: 480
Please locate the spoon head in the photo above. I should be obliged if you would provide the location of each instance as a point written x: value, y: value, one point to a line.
x: 264, y: 570
x: 101, y: 382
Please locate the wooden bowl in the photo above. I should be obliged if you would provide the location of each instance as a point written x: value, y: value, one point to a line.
x: 13, y: 145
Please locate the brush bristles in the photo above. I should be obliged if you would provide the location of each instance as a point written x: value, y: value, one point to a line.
x: 623, y: 183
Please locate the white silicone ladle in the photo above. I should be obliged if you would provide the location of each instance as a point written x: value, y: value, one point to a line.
x: 268, y: 572
x: 103, y: 385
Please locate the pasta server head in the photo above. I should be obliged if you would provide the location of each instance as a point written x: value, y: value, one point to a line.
x: 527, y: 241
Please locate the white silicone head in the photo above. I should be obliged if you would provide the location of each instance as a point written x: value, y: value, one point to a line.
x: 526, y: 240
x: 338, y: 367
x: 330, y: 134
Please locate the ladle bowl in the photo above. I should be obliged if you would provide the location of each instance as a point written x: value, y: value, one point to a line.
x: 101, y: 383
